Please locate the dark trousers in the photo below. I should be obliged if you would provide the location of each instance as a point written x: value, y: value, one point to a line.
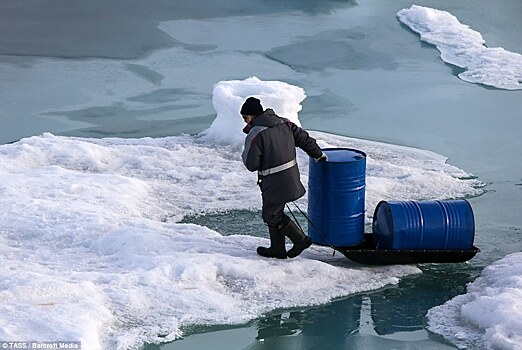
x: 273, y: 214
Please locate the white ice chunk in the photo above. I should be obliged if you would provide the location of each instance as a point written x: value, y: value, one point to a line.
x: 228, y: 97
x: 489, y: 315
x: 463, y: 47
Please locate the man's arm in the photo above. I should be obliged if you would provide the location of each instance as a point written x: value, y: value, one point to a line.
x: 252, y: 152
x: 305, y: 141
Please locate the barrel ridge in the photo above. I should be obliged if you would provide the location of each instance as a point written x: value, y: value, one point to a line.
x: 336, y: 196
x: 436, y: 224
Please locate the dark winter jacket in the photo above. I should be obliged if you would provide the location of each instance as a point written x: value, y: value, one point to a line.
x: 270, y: 144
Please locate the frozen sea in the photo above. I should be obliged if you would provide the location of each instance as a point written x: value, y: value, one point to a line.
x: 129, y: 222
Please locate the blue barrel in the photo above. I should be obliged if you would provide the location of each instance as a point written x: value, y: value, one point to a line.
x: 424, y: 225
x: 336, y: 191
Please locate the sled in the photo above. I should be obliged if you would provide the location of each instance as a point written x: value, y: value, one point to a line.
x: 366, y: 253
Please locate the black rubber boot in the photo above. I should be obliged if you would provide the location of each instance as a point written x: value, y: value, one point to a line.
x: 298, y: 238
x: 277, y: 245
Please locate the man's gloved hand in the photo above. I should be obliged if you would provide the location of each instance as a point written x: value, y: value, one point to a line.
x: 322, y: 158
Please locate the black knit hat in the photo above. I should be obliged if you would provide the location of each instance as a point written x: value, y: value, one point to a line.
x: 252, y: 106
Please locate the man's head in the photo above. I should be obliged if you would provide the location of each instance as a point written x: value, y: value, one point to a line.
x: 251, y: 109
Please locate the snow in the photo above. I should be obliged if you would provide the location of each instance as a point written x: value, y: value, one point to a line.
x: 489, y: 315
x: 92, y: 248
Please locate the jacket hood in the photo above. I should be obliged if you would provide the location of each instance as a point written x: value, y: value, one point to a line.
x: 268, y: 119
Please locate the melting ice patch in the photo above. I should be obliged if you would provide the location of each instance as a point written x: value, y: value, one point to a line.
x: 463, y: 47
x: 92, y: 248
x: 489, y: 315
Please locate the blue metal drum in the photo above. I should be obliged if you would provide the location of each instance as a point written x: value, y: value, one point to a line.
x: 424, y: 225
x: 336, y: 190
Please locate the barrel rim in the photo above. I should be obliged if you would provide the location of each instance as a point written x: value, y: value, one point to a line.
x: 344, y: 148
x: 382, y: 203
x: 473, y: 218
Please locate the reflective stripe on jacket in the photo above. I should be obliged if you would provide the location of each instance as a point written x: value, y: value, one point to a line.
x: 270, y: 144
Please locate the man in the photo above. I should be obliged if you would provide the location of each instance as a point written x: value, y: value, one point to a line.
x: 270, y: 149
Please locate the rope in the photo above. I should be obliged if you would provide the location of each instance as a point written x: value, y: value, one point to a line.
x: 311, y: 223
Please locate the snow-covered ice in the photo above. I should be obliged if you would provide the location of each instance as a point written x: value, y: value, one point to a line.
x: 463, y: 47
x: 93, y: 250
x: 489, y: 315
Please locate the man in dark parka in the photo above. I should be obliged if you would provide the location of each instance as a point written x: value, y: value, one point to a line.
x: 270, y: 150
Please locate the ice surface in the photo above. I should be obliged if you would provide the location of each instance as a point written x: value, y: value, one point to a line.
x: 228, y: 96
x: 92, y: 248
x: 489, y: 315
x: 119, y: 97
x: 463, y: 47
